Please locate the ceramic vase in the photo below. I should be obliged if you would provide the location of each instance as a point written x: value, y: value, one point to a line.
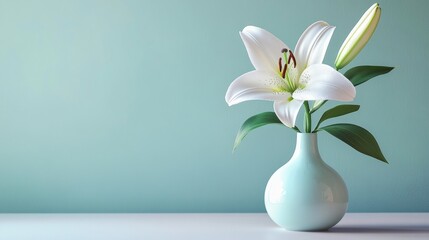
x: 306, y: 194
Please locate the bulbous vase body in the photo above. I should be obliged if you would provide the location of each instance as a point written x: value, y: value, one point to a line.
x: 306, y: 194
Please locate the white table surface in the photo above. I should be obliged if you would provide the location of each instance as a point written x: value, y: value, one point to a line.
x: 204, y: 226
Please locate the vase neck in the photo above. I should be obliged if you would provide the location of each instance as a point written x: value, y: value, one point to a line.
x: 306, y: 145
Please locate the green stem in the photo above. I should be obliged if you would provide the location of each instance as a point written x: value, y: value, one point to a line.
x: 307, y: 118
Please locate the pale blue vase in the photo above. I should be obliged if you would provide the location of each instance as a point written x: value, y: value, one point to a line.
x: 306, y: 194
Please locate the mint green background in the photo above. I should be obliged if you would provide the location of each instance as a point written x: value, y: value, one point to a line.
x: 118, y: 106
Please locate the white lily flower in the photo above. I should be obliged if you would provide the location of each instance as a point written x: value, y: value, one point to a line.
x: 289, y: 78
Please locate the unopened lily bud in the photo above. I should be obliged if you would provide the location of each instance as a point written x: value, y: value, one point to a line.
x: 359, y: 36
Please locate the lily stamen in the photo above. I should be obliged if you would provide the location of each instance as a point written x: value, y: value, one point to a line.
x: 291, y: 57
x: 284, y: 71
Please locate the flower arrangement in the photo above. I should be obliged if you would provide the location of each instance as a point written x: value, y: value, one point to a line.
x: 291, y: 79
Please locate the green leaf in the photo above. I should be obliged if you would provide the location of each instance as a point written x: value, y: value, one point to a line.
x: 253, y: 122
x: 358, y: 138
x: 361, y: 74
x: 336, y: 112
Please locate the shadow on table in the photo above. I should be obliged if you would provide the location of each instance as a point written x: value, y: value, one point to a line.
x: 421, y: 229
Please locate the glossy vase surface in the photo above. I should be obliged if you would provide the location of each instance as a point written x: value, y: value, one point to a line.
x: 306, y: 194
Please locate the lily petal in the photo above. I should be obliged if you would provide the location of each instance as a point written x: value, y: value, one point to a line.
x: 256, y: 85
x: 287, y: 111
x: 264, y: 49
x: 322, y: 82
x: 312, y: 45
